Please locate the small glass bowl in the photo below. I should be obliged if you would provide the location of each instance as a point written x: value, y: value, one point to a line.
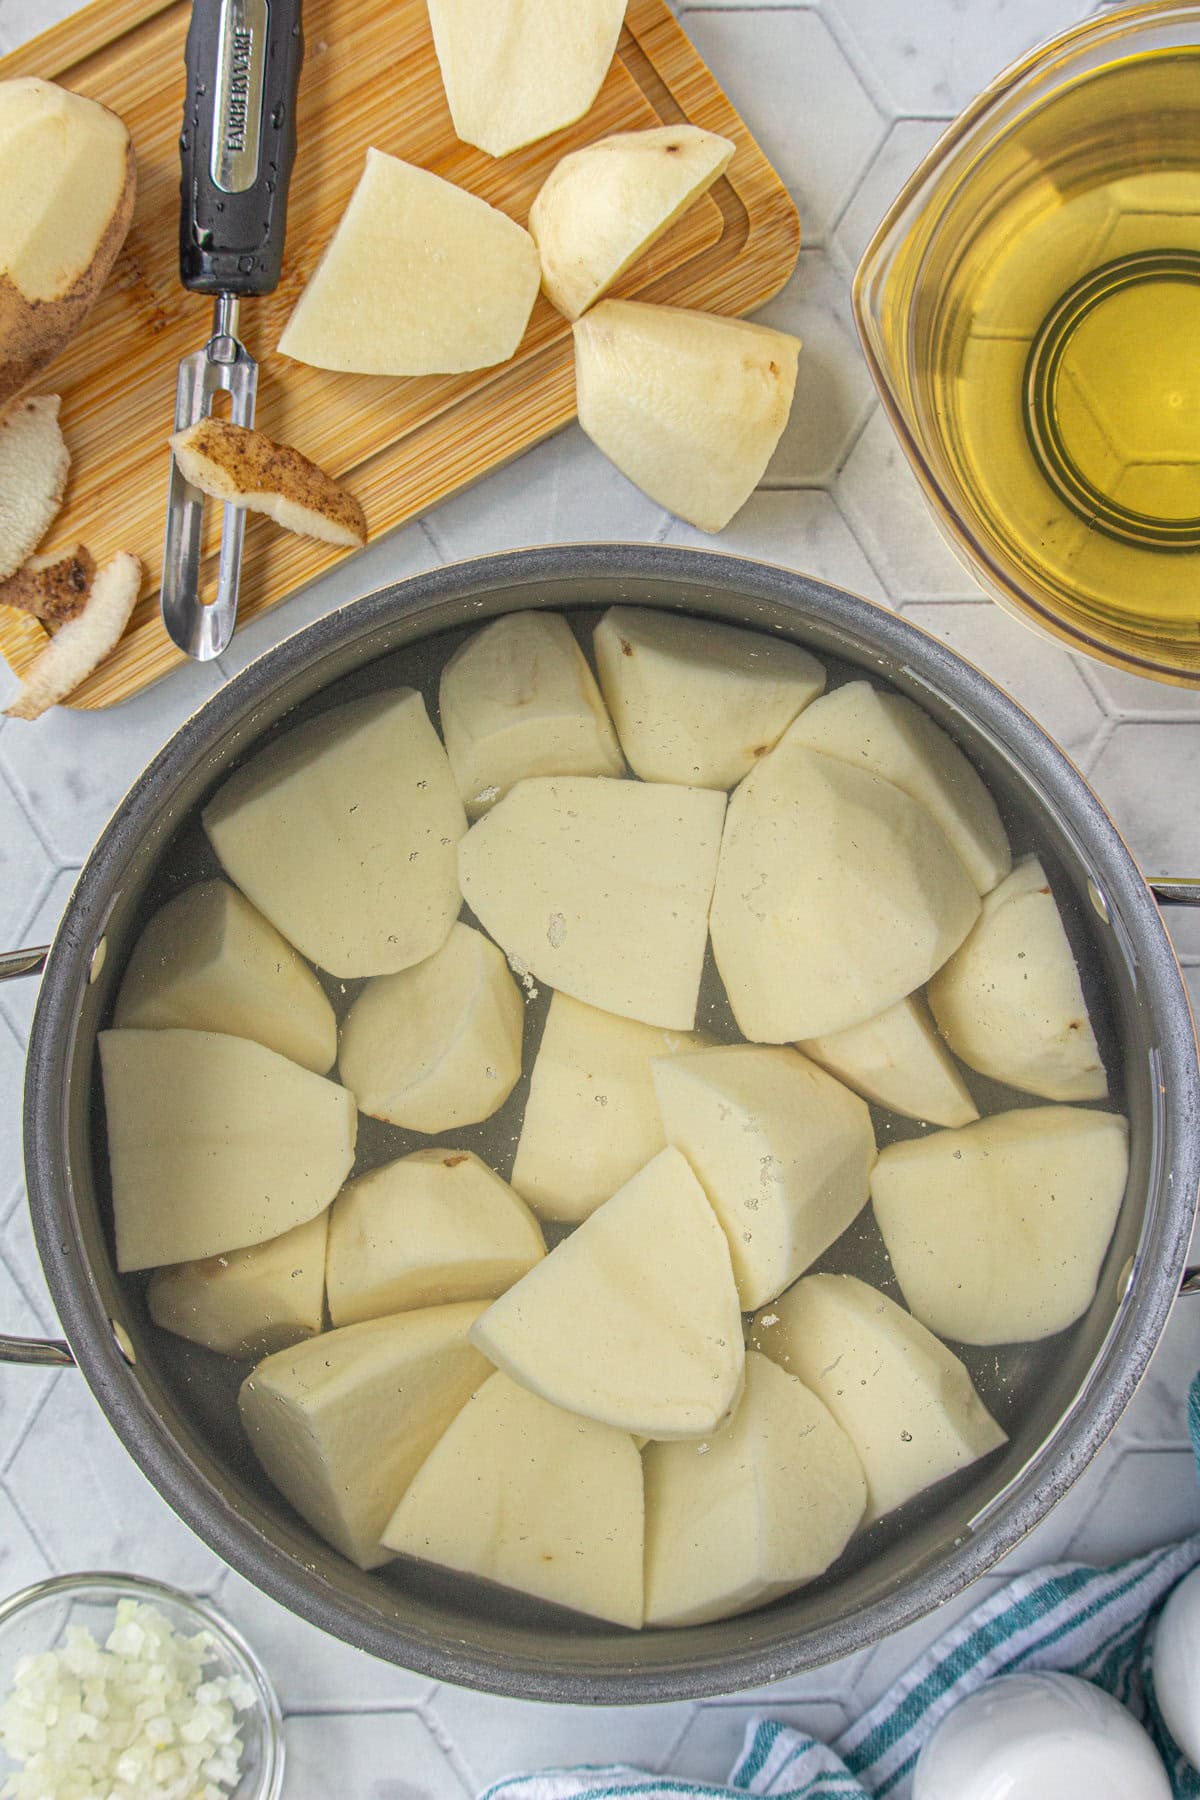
x: 37, y: 1619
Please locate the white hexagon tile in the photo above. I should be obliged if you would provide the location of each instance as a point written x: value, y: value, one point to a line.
x: 846, y: 96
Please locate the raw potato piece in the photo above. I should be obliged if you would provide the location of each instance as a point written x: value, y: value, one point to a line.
x: 343, y: 831
x: 248, y: 1302
x: 687, y: 405
x: 895, y: 738
x: 342, y: 1423
x: 1010, y: 1003
x: 602, y: 206
x: 574, y: 1486
x: 439, y: 1044
x: 247, y: 468
x: 774, y: 1501
x: 633, y: 1319
x: 215, y: 1143
x: 694, y: 701
x: 519, y: 699
x: 783, y: 1151
x: 997, y: 1232
x: 836, y: 896
x: 208, y: 961
x: 433, y: 1227
x: 34, y: 464
x: 52, y: 588
x: 420, y: 278
x: 903, y: 1399
x: 591, y: 1120
x: 600, y: 888
x: 516, y: 70
x: 83, y: 642
x: 899, y: 1061
x: 67, y: 183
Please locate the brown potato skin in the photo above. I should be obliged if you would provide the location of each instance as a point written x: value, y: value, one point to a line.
x: 33, y: 332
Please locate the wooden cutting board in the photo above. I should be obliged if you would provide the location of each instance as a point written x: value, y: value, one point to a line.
x: 370, y: 78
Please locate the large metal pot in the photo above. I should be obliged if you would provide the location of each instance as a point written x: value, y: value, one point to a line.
x: 171, y: 1403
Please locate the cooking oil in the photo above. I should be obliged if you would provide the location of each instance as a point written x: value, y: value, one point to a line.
x: 1056, y: 361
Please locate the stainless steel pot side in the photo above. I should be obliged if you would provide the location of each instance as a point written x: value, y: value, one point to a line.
x: 172, y: 1404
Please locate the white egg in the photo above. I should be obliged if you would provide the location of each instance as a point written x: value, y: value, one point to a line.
x: 1177, y: 1666
x: 1039, y: 1737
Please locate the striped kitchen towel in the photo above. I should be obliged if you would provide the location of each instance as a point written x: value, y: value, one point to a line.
x: 1097, y: 1623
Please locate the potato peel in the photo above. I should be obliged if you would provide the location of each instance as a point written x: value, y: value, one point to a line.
x: 83, y: 642
x: 247, y: 468
x: 34, y: 463
x: 52, y: 589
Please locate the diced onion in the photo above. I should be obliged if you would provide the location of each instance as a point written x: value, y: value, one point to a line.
x: 135, y: 1719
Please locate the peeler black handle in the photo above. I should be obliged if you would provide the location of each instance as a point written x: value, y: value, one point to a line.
x: 238, y: 143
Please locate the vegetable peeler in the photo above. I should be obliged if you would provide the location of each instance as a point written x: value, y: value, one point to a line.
x: 236, y: 148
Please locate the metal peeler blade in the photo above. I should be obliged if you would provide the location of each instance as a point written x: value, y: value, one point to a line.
x: 199, y: 628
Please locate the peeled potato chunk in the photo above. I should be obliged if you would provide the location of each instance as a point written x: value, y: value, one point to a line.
x: 420, y: 278
x: 67, y: 183
x: 782, y: 1150
x: 208, y: 961
x: 600, y: 888
x: 895, y: 738
x: 1010, y: 1002
x: 687, y: 405
x: 215, y: 1143
x: 836, y: 895
x: 519, y: 699
x: 698, y: 702
x: 433, y: 1227
x: 342, y: 1423
x: 602, y: 206
x: 573, y: 1487
x: 591, y: 1120
x: 904, y: 1400
x: 632, y: 1319
x: 772, y: 1503
x: 997, y: 1232
x: 516, y: 70
x: 899, y: 1061
x: 248, y: 1302
x: 343, y: 832
x: 437, y: 1045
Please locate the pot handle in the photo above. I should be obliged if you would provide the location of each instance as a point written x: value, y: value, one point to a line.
x: 45, y: 1353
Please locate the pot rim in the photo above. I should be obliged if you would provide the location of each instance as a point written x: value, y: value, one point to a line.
x: 1101, y: 1397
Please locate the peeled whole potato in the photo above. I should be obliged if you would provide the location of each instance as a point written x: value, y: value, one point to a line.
x: 893, y: 737
x: 591, y: 1119
x: 67, y: 185
x: 420, y: 278
x: 694, y: 701
x: 208, y: 961
x: 899, y: 1061
x: 600, y: 888
x: 1010, y: 1002
x: 773, y: 1502
x: 633, y: 1319
x: 783, y: 1151
x: 342, y: 1423
x: 248, y: 1302
x: 343, y: 831
x: 687, y: 405
x: 439, y: 1044
x: 836, y: 896
x: 431, y: 1228
x: 519, y: 699
x: 215, y: 1143
x: 602, y: 206
x: 904, y: 1400
x: 516, y: 70
x: 522, y: 1493
x: 997, y: 1232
